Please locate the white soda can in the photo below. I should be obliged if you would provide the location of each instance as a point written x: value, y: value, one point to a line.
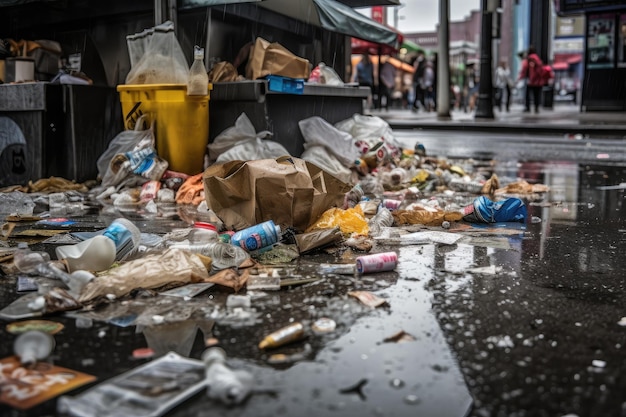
x: 378, y: 262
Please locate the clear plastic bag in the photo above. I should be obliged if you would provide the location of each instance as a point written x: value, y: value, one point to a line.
x: 125, y: 141
x: 163, y: 61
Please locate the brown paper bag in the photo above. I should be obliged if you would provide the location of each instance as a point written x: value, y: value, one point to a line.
x: 273, y: 58
x: 290, y: 191
x: 255, y: 60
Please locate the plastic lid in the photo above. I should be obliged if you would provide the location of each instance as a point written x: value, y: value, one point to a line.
x: 198, y: 53
x: 204, y: 225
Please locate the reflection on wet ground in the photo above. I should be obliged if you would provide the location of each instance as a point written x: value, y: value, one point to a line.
x: 524, y: 322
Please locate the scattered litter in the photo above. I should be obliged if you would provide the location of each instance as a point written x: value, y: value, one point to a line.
x: 367, y: 298
x: 400, y: 337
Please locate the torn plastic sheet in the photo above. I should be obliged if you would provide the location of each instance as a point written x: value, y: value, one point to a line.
x: 147, y: 391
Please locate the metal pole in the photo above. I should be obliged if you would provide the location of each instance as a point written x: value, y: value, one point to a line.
x: 158, y: 12
x: 443, y: 61
x: 484, y: 108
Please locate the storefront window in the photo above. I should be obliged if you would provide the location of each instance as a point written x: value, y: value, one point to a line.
x: 601, y: 41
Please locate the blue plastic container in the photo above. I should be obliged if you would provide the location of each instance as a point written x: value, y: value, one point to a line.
x: 285, y: 84
x: 257, y: 237
x: 484, y: 210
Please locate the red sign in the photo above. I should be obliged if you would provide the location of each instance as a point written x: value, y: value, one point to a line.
x: 378, y: 13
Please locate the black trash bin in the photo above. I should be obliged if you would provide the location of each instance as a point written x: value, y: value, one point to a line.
x: 547, y: 96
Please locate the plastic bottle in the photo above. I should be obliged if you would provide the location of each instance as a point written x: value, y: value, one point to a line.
x: 125, y: 235
x: 198, y: 82
x: 382, y: 219
x: 203, y: 232
x: 484, y: 210
x: 257, y: 237
x: 94, y: 254
x: 33, y: 346
x: 26, y: 260
x: 223, y: 255
x: 223, y: 384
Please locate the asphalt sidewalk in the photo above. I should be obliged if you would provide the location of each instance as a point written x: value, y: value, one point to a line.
x: 561, y: 119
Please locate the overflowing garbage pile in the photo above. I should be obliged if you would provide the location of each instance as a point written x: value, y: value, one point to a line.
x: 355, y: 189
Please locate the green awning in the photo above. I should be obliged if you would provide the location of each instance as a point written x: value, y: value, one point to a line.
x: 335, y: 17
x: 412, y: 46
x: 188, y: 4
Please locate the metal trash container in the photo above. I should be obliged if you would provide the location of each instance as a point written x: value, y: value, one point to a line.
x: 547, y: 96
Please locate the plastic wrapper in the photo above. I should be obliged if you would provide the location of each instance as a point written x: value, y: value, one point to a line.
x: 171, y: 268
x: 349, y: 221
x: 425, y: 217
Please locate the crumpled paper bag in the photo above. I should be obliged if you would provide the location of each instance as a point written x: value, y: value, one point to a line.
x: 290, y: 191
x: 273, y: 58
x: 173, y: 267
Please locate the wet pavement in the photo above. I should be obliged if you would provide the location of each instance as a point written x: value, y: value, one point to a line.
x: 516, y: 320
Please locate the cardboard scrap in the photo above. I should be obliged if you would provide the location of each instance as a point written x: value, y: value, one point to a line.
x: 23, y: 388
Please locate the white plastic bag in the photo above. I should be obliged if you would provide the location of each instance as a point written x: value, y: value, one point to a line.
x: 318, y: 132
x: 253, y: 149
x: 242, y: 131
x: 319, y: 156
x: 370, y: 129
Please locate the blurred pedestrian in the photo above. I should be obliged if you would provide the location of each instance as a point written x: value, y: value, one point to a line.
x: 472, y: 86
x: 364, y: 75
x: 419, y: 66
x: 388, y: 83
x: 427, y: 84
x: 532, y: 73
x: 503, y: 85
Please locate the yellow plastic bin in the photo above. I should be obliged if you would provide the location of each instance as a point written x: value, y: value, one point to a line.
x: 181, y: 121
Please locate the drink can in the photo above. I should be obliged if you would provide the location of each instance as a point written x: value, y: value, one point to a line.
x: 378, y: 262
x: 257, y: 237
x: 391, y: 204
x: 363, y: 146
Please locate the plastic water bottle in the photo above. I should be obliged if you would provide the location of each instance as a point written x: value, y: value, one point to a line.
x: 203, y: 232
x: 223, y: 384
x: 33, y: 346
x: 26, y: 260
x: 198, y: 82
x: 382, y: 219
x: 257, y: 237
x: 94, y: 254
x: 125, y: 235
x: 484, y: 210
x: 223, y: 255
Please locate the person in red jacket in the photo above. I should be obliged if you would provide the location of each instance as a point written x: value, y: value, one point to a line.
x: 532, y: 72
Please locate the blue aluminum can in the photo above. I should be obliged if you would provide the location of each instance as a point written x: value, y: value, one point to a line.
x: 257, y: 237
